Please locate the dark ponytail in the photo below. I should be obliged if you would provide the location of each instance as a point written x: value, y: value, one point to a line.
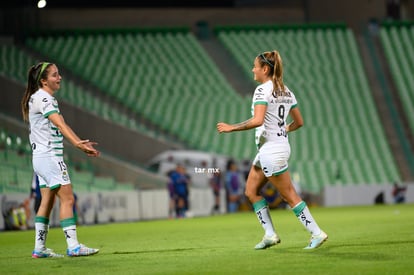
x: 36, y: 73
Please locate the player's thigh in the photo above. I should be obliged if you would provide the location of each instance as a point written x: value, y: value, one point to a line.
x: 283, y: 184
x: 255, y: 181
x: 65, y: 194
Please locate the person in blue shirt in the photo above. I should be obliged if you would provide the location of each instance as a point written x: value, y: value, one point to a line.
x: 35, y: 192
x: 180, y: 183
x: 234, y: 187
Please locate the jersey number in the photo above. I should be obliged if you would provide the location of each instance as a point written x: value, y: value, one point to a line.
x: 62, y: 166
x: 281, y: 114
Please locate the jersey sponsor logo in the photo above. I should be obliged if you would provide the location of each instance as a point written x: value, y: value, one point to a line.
x: 287, y: 94
x: 44, y: 99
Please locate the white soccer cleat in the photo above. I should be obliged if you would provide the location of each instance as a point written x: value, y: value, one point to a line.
x: 268, y: 242
x: 45, y: 253
x: 81, y: 250
x: 317, y: 241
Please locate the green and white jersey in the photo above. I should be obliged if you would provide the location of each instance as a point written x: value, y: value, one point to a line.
x: 45, y: 137
x: 274, y: 126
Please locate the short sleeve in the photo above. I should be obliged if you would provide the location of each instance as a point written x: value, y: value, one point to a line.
x: 259, y: 96
x: 48, y: 106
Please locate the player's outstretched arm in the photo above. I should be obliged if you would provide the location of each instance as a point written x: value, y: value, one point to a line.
x: 84, y: 145
x: 256, y: 121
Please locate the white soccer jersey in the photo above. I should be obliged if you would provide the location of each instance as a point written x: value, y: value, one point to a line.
x: 274, y: 126
x: 45, y: 137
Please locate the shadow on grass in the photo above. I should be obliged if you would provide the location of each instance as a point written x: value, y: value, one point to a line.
x: 352, y: 251
x: 154, y: 251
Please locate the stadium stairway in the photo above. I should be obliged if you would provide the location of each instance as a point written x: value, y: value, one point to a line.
x: 396, y: 40
x: 388, y: 102
x: 232, y: 71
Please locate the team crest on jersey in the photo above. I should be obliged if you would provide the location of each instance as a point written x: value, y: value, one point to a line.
x: 65, y: 176
x: 55, y: 103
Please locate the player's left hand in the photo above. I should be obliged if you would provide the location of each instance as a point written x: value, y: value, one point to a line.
x: 87, y: 147
x: 224, y: 127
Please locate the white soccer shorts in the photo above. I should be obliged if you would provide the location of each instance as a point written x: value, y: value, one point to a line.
x: 52, y: 172
x: 272, y: 158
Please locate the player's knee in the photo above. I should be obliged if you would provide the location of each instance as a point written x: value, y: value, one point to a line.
x: 250, y: 194
x: 68, y: 200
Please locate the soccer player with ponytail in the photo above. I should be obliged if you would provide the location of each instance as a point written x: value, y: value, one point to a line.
x: 47, y: 129
x: 272, y: 103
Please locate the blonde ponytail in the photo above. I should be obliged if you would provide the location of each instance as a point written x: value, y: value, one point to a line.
x: 274, y: 61
x: 277, y: 77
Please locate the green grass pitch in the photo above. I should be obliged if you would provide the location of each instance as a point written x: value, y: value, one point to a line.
x: 362, y: 240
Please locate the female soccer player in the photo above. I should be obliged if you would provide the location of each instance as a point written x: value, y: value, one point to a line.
x: 47, y: 129
x: 272, y: 103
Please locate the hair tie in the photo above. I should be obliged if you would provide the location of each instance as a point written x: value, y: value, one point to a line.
x: 44, y: 65
x: 266, y: 60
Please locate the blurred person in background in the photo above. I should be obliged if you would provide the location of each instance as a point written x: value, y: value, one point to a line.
x: 215, y: 184
x: 398, y: 193
x: 35, y: 192
x: 234, y: 187
x: 180, y: 185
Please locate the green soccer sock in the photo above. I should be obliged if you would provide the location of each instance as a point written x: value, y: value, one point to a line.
x: 301, y: 211
x: 262, y: 211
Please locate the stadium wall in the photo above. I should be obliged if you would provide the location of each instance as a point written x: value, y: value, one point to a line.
x: 362, y: 194
x: 17, y: 19
x: 107, y: 207
x: 355, y: 13
x: 161, y: 17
